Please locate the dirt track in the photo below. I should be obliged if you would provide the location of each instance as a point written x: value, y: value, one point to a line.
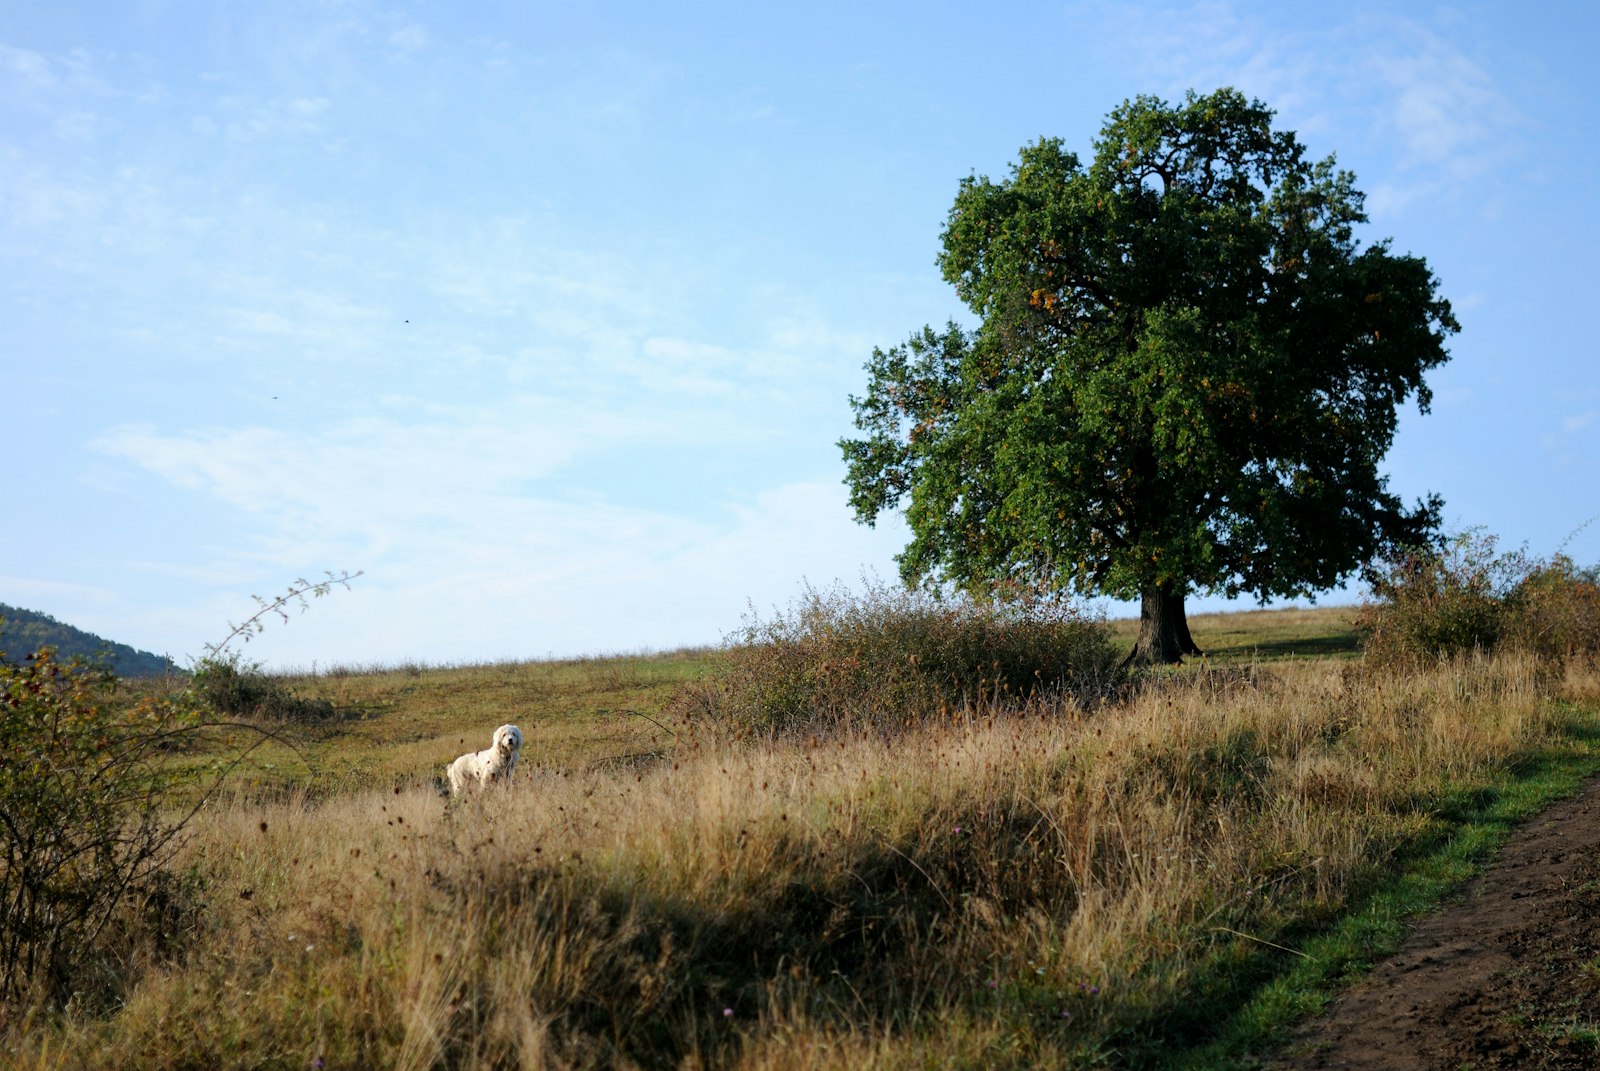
x: 1509, y: 977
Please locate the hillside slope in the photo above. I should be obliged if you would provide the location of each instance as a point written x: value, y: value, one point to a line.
x: 25, y: 631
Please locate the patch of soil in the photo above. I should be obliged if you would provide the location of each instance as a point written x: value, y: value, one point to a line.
x: 1507, y: 978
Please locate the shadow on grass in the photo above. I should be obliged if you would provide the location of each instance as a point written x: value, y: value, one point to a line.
x: 1338, y: 645
x: 1247, y: 997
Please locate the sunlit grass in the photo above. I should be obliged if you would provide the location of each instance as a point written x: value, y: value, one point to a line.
x: 1266, y: 635
x: 1055, y: 889
x: 400, y: 725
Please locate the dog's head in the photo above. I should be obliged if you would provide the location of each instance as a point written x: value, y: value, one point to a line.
x: 508, y: 740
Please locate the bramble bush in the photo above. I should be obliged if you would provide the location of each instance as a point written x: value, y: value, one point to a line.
x: 891, y: 656
x: 231, y: 686
x: 1469, y: 595
x: 1428, y: 602
x: 82, y: 831
x: 1557, y: 611
x: 234, y: 687
x: 87, y: 832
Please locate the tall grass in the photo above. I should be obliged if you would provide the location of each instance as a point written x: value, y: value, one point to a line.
x: 1022, y: 885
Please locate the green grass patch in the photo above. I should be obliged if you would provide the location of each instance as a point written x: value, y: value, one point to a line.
x: 1266, y: 635
x: 1259, y: 994
x: 397, y: 725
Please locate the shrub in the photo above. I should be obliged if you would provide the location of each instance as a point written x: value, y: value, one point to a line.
x: 233, y: 687
x: 1429, y: 603
x: 86, y: 833
x: 82, y: 830
x: 1556, y: 611
x: 891, y: 655
x: 1469, y: 596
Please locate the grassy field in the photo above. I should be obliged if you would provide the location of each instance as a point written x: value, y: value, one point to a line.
x: 399, y: 725
x: 1265, y: 635
x: 1162, y: 880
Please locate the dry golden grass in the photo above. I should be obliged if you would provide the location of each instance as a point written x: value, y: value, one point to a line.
x: 1017, y: 889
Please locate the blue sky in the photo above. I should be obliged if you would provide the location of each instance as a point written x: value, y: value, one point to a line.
x: 545, y: 316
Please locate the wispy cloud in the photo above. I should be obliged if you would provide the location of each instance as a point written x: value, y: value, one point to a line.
x: 407, y: 40
x: 1445, y: 107
x: 40, y: 74
x: 1426, y: 104
x: 245, y: 119
x: 587, y: 579
x: 449, y: 520
x: 26, y: 68
x: 364, y: 477
x: 1571, y: 442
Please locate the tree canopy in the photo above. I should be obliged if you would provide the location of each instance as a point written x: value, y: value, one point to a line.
x: 1185, y: 374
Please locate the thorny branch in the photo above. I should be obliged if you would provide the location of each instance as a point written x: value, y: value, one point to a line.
x: 254, y: 625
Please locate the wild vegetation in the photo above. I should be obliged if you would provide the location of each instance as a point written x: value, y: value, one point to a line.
x: 1471, y: 595
x: 1156, y: 874
x: 1185, y: 373
x: 82, y: 824
x: 840, y: 659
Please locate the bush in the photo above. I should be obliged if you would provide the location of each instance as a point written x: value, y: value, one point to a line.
x: 83, y: 835
x: 1427, y: 603
x: 232, y: 687
x: 1469, y: 596
x: 1556, y: 611
x: 891, y: 656
x: 86, y: 837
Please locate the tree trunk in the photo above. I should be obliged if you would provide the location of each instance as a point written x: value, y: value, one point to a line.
x: 1163, y: 630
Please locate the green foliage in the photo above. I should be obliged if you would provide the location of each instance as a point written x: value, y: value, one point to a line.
x: 1186, y: 373
x: 1469, y: 595
x: 87, y: 833
x: 27, y: 630
x: 232, y: 687
x: 82, y: 830
x: 890, y: 656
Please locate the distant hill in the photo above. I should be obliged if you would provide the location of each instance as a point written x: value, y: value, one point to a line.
x: 24, y: 631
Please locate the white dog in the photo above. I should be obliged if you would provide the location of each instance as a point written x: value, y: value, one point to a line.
x: 495, y: 763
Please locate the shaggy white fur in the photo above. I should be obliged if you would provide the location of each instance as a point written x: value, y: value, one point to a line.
x: 495, y: 763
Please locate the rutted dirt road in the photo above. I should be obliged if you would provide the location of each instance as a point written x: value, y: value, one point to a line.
x: 1509, y: 977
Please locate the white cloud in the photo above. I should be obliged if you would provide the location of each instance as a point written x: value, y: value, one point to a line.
x: 589, y: 579
x: 68, y: 79
x: 1439, y: 113
x: 36, y: 201
x: 29, y: 69
x: 470, y: 551
x: 408, y: 40
x: 245, y: 119
x: 1569, y: 442
x: 1445, y: 108
x: 1574, y: 424
x: 370, y: 475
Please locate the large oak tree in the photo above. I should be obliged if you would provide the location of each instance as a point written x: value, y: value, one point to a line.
x: 1185, y: 374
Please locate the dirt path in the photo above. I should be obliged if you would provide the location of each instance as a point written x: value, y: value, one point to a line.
x: 1507, y: 978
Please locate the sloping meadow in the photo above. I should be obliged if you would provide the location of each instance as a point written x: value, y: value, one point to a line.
x: 1048, y: 883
